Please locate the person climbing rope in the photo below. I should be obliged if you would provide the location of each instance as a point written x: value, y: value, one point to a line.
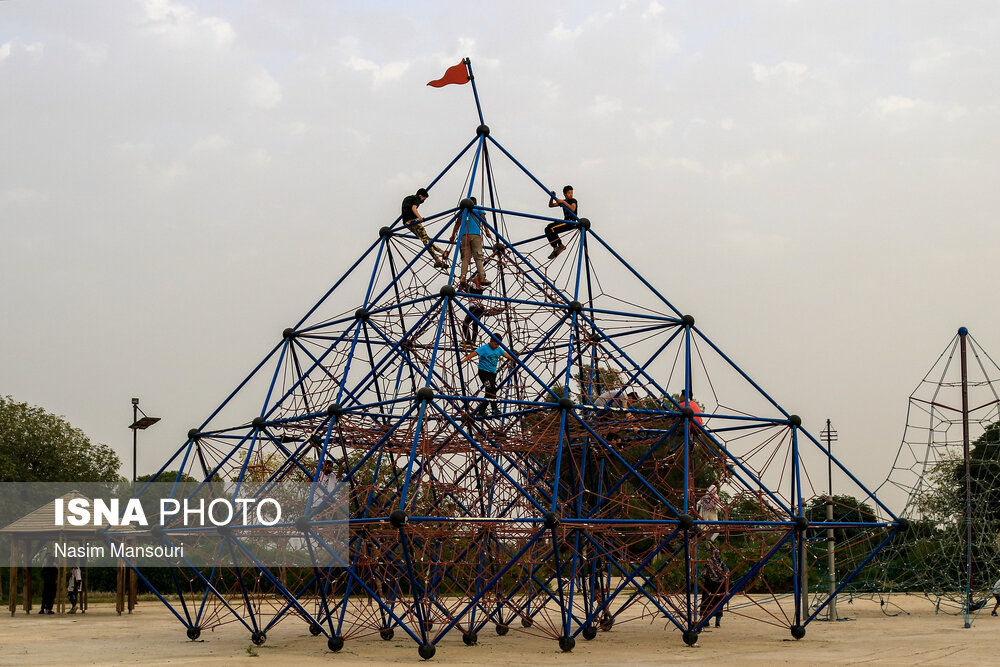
x: 489, y: 356
x: 552, y: 230
x: 470, y: 325
x: 414, y: 222
x: 471, y: 242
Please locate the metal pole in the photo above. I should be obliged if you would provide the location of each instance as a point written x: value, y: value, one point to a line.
x: 831, y: 564
x: 967, y: 607
x: 135, y: 431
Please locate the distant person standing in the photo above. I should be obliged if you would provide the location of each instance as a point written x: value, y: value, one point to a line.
x: 414, y: 222
x: 489, y: 355
x: 74, y: 587
x: 49, y: 576
x: 569, y: 207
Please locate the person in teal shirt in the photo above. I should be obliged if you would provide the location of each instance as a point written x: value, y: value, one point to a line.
x: 489, y: 357
x: 471, y: 242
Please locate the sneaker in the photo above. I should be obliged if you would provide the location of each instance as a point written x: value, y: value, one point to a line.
x: 559, y: 249
x: 41, y: 611
x: 440, y: 264
x: 484, y: 282
x: 50, y: 612
x: 993, y: 613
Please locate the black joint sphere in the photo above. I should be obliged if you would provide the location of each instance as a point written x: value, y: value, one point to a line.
x: 193, y: 434
x: 425, y: 394
x: 257, y: 422
x: 386, y: 633
x: 686, y: 521
x: 225, y: 531
x: 397, y: 518
x: 258, y: 638
x: 483, y: 129
x: 584, y: 223
x: 575, y: 307
x: 527, y: 621
x: 566, y: 643
x: 384, y: 232
x: 502, y: 629
x: 335, y: 643
x: 193, y: 633
x: 565, y: 403
x: 467, y: 204
x: 903, y: 525
x: 589, y: 632
x: 302, y: 524
x: 801, y: 523
x: 688, y: 320
x: 794, y: 420
x: 426, y: 651
x: 552, y: 520
x: 361, y: 314
x: 470, y: 638
x: 690, y: 637
x: 333, y: 409
x: 798, y: 631
x: 449, y: 291
x: 687, y: 413
x: 157, y: 533
x: 314, y: 629
x: 288, y: 333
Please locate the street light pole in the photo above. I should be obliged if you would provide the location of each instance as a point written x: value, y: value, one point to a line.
x: 830, y: 436
x: 135, y: 434
x: 136, y: 426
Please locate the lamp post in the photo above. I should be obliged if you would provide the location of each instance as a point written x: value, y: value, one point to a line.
x: 829, y: 436
x: 136, y: 426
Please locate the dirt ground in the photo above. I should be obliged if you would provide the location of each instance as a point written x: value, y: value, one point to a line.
x: 151, y: 635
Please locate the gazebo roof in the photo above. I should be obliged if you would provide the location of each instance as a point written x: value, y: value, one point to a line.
x: 42, y: 521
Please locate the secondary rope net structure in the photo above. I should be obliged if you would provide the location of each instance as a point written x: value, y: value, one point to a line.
x: 623, y: 454
x: 946, y: 476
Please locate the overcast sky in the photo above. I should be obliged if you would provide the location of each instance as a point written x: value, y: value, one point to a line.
x: 814, y: 181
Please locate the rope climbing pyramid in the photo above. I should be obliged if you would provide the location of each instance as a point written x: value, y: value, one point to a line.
x: 553, y: 450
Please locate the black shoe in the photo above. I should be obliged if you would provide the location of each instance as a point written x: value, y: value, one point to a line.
x: 50, y: 612
x: 41, y: 611
x: 993, y: 613
x: 717, y: 623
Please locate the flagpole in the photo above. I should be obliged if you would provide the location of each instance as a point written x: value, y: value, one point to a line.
x: 479, y: 109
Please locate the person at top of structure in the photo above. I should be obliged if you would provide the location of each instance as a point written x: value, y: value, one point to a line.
x: 414, y: 222
x: 569, y: 207
x: 489, y: 355
x: 471, y: 242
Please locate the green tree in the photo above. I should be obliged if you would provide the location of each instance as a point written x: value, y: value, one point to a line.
x: 37, y: 446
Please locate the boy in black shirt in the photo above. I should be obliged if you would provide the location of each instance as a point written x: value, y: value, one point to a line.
x: 569, y: 213
x: 412, y: 219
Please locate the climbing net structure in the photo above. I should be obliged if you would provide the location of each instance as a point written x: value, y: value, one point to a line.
x: 948, y: 471
x: 622, y: 453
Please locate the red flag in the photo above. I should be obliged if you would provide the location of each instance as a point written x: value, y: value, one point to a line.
x: 457, y: 74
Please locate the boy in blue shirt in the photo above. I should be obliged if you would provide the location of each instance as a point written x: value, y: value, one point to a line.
x: 489, y: 356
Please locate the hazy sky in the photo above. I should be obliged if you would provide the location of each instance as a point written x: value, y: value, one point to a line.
x: 180, y: 181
